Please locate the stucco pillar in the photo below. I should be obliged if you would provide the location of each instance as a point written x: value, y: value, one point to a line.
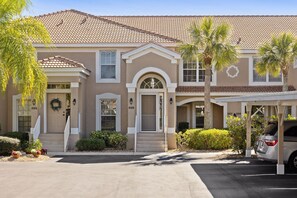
x: 170, y: 117
x: 248, y: 150
x: 280, y: 154
x: 74, y: 104
x: 132, y: 129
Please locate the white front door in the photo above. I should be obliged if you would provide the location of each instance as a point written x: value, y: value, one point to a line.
x: 152, y: 112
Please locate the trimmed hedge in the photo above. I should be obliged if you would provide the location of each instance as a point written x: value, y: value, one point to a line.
x: 118, y: 141
x: 90, y: 144
x: 22, y: 136
x: 7, y: 145
x: 214, y: 139
x: 112, y: 139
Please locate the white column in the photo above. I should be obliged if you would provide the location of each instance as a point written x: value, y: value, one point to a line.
x: 280, y: 155
x: 225, y: 114
x: 248, y: 151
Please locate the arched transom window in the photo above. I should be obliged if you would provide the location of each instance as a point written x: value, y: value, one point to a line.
x: 151, y: 83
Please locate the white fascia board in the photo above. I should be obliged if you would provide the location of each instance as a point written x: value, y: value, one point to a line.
x: 261, y: 97
x: 153, y: 46
x: 66, y: 70
x: 212, y: 93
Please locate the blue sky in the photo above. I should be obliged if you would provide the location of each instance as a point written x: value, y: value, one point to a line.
x: 167, y: 7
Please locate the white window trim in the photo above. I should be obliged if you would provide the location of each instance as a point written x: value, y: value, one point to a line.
x: 251, y: 80
x: 181, y: 77
x: 98, y: 109
x: 117, y: 79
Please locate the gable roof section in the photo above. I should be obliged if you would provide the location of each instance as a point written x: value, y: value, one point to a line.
x: 60, y: 62
x: 253, y: 30
x: 75, y: 27
x: 151, y: 48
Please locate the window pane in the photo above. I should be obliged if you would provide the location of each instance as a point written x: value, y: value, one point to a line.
x: 151, y: 83
x: 108, y: 57
x: 275, y: 79
x: 108, y: 123
x: 108, y: 107
x: 107, y: 71
x: 24, y: 116
x: 256, y: 76
x: 190, y: 71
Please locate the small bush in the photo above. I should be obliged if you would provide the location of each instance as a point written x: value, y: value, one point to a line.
x: 184, y: 140
x: 237, y: 128
x: 90, y: 144
x: 104, y: 135
x: 37, y: 145
x: 118, y: 141
x: 214, y: 139
x: 183, y: 126
x: 204, y: 139
x: 22, y: 136
x: 7, y: 145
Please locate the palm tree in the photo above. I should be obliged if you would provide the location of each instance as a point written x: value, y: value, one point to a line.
x: 17, y: 54
x: 212, y: 47
x: 277, y: 56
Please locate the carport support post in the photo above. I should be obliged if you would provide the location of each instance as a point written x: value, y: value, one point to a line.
x: 280, y: 168
x: 248, y: 151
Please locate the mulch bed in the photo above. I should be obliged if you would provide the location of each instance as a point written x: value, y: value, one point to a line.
x: 24, y: 158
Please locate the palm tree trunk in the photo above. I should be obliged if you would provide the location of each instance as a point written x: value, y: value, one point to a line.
x: 207, y: 104
x: 285, y: 88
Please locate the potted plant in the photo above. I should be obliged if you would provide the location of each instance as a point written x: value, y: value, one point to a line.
x: 35, y: 153
x: 16, y: 154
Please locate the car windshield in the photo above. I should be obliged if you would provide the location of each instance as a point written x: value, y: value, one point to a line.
x: 271, y: 129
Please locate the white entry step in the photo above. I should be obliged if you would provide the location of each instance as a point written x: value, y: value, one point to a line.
x: 53, y: 142
x: 151, y: 142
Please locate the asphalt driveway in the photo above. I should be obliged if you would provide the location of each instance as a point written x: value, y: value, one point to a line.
x: 162, y: 175
x: 246, y: 178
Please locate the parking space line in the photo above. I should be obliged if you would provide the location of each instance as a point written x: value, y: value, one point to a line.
x: 282, y: 188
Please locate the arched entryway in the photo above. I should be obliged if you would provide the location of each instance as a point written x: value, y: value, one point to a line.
x: 151, y: 103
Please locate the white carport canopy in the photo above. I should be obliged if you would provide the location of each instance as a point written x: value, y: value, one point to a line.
x: 280, y: 100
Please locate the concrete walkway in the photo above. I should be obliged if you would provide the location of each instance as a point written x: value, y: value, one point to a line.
x: 157, y: 175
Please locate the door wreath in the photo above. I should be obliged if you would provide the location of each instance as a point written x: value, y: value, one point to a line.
x: 56, y: 104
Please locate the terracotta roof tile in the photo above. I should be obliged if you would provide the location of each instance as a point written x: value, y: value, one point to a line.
x: 240, y: 89
x: 253, y: 30
x: 60, y: 62
x: 72, y: 26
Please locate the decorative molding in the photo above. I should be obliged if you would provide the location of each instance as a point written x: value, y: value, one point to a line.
x: 131, y: 130
x: 74, y: 84
x: 74, y: 130
x: 151, y: 48
x: 232, y: 69
x: 14, y: 112
x: 118, y: 109
x: 170, y: 130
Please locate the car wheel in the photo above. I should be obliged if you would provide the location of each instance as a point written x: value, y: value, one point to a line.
x: 293, y: 162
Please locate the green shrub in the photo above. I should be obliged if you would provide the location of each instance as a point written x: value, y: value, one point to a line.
x: 104, y: 135
x: 118, y: 141
x: 184, y: 140
x: 214, y: 139
x: 22, y: 136
x: 204, y: 139
x: 183, y: 126
x: 90, y: 144
x: 237, y: 128
x: 7, y: 145
x: 37, y: 145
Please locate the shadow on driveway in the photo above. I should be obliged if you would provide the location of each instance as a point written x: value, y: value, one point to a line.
x: 140, y: 160
x: 246, y: 178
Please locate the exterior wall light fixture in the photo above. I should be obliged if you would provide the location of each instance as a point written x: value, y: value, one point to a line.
x: 170, y: 100
x: 131, y: 101
x: 74, y: 102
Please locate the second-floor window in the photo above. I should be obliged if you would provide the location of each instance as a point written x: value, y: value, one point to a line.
x: 108, y: 64
x: 266, y: 78
x: 193, y: 72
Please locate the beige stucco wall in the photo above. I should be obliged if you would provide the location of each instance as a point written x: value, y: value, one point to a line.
x: 241, y: 80
x: 151, y: 60
x: 218, y: 117
x: 234, y: 107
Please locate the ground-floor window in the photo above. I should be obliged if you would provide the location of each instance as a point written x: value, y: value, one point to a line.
x: 24, y: 115
x: 108, y: 116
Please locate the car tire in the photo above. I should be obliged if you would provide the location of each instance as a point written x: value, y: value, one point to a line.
x: 293, y: 162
